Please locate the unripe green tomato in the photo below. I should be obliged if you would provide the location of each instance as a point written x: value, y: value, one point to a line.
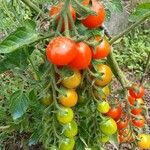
x: 64, y: 115
x: 82, y: 99
x: 103, y: 107
x: 67, y: 144
x: 47, y: 100
x: 71, y: 129
x: 104, y: 138
x: 108, y: 126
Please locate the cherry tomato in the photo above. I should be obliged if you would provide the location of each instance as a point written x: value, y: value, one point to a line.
x: 82, y: 98
x: 139, y: 121
x: 104, y: 138
x: 65, y: 115
x: 85, y: 2
x: 47, y: 100
x: 61, y: 51
x: 144, y: 141
x: 102, y: 50
x: 133, y: 101
x: 115, y: 112
x: 103, y: 107
x: 72, y: 81
x: 106, y: 75
x: 104, y: 94
x: 108, y: 126
x: 70, y: 99
x: 95, y: 21
x: 56, y: 9
x: 136, y: 91
x: 67, y: 144
x: 136, y: 111
x: 122, y: 123
x: 71, y: 129
x: 83, y: 57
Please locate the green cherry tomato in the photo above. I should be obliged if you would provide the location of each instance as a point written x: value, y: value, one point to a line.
x: 67, y: 144
x: 108, y: 126
x: 104, y: 138
x: 64, y: 115
x: 103, y: 107
x: 71, y: 129
x: 47, y: 100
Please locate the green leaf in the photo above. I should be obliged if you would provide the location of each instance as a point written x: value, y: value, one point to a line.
x: 19, y: 103
x: 113, y: 5
x: 141, y: 11
x: 114, y: 140
x: 23, y: 36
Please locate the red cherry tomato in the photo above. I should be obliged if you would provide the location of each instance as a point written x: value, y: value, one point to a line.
x: 115, y: 112
x: 136, y: 91
x: 139, y: 121
x: 102, y: 50
x: 61, y: 51
x: 83, y: 57
x: 136, y: 111
x: 94, y: 21
x: 122, y: 123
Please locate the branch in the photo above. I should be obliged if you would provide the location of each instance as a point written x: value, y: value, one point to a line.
x: 32, y: 6
x: 146, y: 68
x: 129, y: 29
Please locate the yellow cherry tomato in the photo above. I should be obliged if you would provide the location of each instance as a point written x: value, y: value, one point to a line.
x: 72, y: 81
x: 106, y: 75
x: 47, y: 100
x: 144, y: 141
x: 103, y: 94
x: 70, y: 99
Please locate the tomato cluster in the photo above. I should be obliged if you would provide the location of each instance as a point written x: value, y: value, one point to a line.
x: 88, y: 64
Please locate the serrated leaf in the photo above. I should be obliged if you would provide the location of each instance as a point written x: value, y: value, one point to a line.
x: 19, y: 103
x: 23, y: 36
x: 141, y: 11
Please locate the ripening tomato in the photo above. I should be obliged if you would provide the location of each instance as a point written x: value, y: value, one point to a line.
x: 138, y: 121
x: 103, y: 107
x: 71, y: 129
x: 137, y: 101
x: 54, y: 10
x: 104, y: 138
x: 102, y: 50
x: 72, y: 81
x: 108, y: 126
x: 70, y: 99
x: 47, y: 100
x: 65, y: 115
x: 95, y: 21
x: 136, y: 111
x: 115, y: 112
x: 83, y: 57
x: 61, y: 51
x: 104, y: 94
x: 106, y: 75
x: 67, y: 144
x: 144, y: 141
x: 85, y: 2
x: 122, y: 123
x: 136, y: 91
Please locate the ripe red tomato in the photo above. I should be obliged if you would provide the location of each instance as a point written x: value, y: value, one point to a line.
x: 56, y: 9
x: 83, y: 57
x: 115, y: 112
x: 95, y: 21
x: 122, y: 123
x: 139, y: 121
x: 61, y: 51
x: 136, y: 91
x: 136, y: 111
x: 102, y: 50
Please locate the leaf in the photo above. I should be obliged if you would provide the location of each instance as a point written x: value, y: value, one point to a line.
x: 113, y: 5
x: 141, y: 11
x: 23, y: 36
x: 19, y: 103
x: 114, y: 141
x: 15, y: 59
